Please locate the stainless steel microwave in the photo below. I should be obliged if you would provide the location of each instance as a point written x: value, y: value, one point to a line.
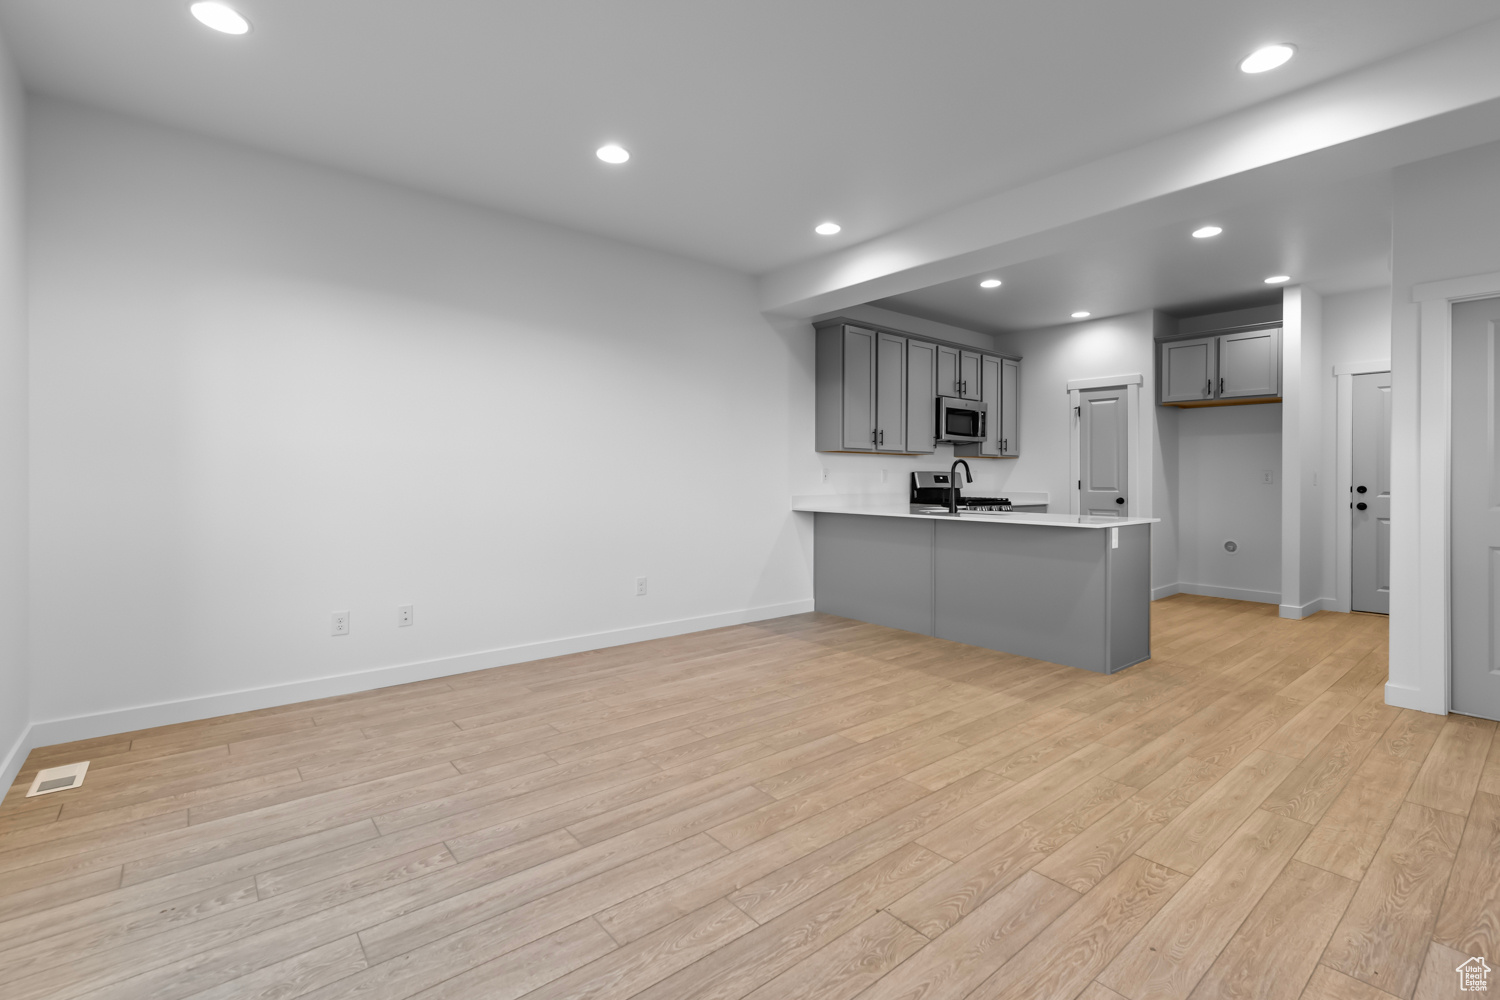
x: 961, y: 421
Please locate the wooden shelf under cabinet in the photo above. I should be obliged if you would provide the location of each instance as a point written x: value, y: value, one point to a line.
x: 1194, y: 404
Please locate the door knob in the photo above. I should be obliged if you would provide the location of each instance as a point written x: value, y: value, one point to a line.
x: 1361, y: 490
x: 1361, y: 506
x: 1119, y: 499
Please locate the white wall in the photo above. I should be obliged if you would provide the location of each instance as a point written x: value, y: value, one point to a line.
x: 14, y: 680
x: 264, y: 391
x: 1222, y: 455
x: 1445, y: 220
x: 1357, y: 326
x: 1053, y: 356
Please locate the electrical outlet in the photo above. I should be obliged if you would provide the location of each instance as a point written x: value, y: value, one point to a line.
x: 640, y: 586
x: 341, y: 623
x: 825, y: 474
x: 884, y: 474
x: 1267, y: 477
x: 403, y: 616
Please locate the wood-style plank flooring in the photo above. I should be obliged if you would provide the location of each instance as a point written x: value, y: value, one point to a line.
x: 803, y: 808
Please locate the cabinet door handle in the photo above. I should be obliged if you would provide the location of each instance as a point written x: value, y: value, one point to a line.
x: 874, y: 436
x: 1221, y: 387
x: 882, y: 437
x: 1208, y: 387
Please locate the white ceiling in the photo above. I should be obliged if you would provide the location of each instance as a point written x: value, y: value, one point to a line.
x: 1334, y: 239
x: 749, y: 122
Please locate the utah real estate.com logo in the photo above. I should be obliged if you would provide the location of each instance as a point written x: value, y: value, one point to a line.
x: 1474, y: 975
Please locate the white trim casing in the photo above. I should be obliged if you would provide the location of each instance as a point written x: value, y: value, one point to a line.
x: 1343, y: 544
x: 1106, y: 382
x: 1421, y: 489
x: 1139, y: 502
x: 1362, y: 367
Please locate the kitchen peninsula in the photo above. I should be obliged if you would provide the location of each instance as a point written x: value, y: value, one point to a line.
x: 1067, y: 588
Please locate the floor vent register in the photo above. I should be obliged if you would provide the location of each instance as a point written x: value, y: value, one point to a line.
x: 58, y: 779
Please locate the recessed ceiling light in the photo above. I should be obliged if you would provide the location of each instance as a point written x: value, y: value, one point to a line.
x: 612, y: 153
x: 827, y: 228
x: 1207, y: 231
x: 220, y: 17
x: 1268, y: 57
x: 990, y: 283
x: 1278, y: 279
x: 1082, y: 314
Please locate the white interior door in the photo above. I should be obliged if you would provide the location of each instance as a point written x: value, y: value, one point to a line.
x: 1475, y: 525
x: 1370, y: 496
x: 1103, y: 452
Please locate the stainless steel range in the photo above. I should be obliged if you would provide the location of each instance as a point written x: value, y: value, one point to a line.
x: 930, y: 489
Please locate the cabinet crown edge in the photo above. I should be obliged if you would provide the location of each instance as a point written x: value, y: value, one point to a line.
x: 989, y: 352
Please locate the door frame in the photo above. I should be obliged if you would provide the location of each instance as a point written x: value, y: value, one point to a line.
x: 1343, y: 377
x: 1138, y: 502
x: 1421, y: 670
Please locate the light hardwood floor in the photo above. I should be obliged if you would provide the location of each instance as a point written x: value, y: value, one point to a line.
x: 802, y: 808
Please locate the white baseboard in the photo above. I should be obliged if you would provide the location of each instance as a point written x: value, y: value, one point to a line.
x: 1297, y: 612
x: 1166, y: 590
x: 10, y: 764
x: 1401, y: 696
x: 1232, y: 593
x: 83, y: 727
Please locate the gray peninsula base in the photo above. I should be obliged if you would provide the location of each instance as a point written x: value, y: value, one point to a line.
x: 1065, y: 595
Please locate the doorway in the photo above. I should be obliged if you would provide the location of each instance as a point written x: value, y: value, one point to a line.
x: 1370, y: 493
x: 1474, y: 508
x: 1103, y: 452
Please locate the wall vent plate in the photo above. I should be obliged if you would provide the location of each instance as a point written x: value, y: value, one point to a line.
x: 58, y: 779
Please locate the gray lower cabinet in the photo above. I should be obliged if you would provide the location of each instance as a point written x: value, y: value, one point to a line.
x: 861, y: 403
x: 1079, y: 597
x: 1242, y: 366
x: 921, y: 397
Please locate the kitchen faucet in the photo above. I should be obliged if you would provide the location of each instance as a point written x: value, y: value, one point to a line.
x: 953, y: 483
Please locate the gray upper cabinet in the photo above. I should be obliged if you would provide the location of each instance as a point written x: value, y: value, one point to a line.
x: 1010, y: 408
x: 970, y: 376
x: 958, y: 373
x: 921, y: 396
x: 947, y: 370
x: 861, y: 390
x: 877, y: 391
x: 1188, y: 369
x: 990, y: 393
x: 1243, y: 366
x: 1250, y: 364
x: 890, y: 393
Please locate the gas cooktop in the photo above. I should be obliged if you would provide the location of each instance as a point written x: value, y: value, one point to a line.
x: 931, y: 489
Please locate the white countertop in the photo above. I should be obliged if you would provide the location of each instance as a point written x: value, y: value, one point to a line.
x: 887, y: 508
